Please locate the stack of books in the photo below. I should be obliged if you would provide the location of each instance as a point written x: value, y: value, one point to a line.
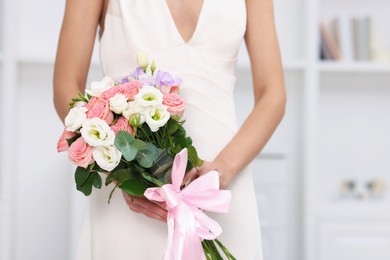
x: 347, y: 39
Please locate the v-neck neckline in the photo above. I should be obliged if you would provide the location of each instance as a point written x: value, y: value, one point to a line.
x: 173, y: 23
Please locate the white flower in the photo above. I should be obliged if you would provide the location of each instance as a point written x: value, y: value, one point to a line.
x: 118, y: 103
x: 98, y: 87
x: 96, y: 132
x: 142, y: 59
x: 149, y: 96
x: 134, y: 108
x: 157, y: 117
x: 75, y: 118
x: 107, y: 157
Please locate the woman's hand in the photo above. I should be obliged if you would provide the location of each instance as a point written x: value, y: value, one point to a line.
x: 225, y: 177
x: 144, y: 206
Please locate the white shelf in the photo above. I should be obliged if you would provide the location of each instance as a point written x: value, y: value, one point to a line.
x: 45, y: 60
x: 365, y: 67
x: 287, y: 64
x: 356, y: 209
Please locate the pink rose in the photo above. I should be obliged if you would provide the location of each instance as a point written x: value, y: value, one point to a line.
x: 80, y: 153
x: 98, y: 107
x: 62, y: 144
x: 175, y: 104
x: 170, y: 89
x: 129, y: 89
x: 122, y: 124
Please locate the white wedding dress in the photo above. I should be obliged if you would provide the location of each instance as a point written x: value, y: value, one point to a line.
x: 207, y: 65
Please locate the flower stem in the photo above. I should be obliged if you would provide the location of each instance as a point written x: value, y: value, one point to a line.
x: 225, y: 250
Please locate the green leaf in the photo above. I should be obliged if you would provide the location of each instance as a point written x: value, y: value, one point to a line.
x: 147, y: 156
x: 81, y: 175
x: 96, y: 180
x: 84, y: 180
x: 152, y: 179
x: 126, y: 145
x: 135, y: 187
x: 109, y: 179
x: 180, y: 132
x: 172, y: 127
x: 122, y: 175
x: 188, y: 141
x: 193, y: 157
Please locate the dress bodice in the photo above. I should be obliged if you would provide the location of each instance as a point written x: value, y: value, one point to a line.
x: 206, y: 63
x: 147, y: 25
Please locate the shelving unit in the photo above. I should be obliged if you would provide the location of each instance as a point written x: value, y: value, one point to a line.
x: 296, y: 176
x: 361, y: 67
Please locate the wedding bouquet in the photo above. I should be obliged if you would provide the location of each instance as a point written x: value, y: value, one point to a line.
x: 132, y: 129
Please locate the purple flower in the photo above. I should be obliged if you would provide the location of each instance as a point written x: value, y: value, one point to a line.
x: 165, y: 79
x: 124, y: 80
x: 148, y: 81
x: 137, y: 73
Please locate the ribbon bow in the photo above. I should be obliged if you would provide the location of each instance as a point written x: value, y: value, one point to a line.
x: 187, y: 224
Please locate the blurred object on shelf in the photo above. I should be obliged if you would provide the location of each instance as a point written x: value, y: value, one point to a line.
x: 329, y: 48
x: 362, y: 190
x: 376, y: 188
x: 361, y: 28
x: 351, y: 38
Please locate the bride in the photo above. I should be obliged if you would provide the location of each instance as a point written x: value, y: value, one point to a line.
x: 198, y: 41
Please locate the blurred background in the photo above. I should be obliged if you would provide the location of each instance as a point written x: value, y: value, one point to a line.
x: 322, y: 182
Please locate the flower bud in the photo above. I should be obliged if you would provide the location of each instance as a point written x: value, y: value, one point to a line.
x: 142, y: 60
x: 135, y: 120
x: 153, y: 66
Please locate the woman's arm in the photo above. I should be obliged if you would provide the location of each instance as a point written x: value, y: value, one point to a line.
x: 269, y: 94
x: 74, y: 51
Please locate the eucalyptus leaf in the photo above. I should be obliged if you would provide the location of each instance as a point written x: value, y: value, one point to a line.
x: 126, y: 145
x: 140, y: 144
x: 147, y: 156
x: 135, y: 187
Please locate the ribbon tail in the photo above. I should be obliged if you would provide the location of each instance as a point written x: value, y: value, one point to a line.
x: 208, y: 228
x: 186, y: 242
x: 171, y: 228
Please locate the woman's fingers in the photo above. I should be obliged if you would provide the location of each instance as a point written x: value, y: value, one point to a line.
x: 190, y: 176
x: 146, y: 207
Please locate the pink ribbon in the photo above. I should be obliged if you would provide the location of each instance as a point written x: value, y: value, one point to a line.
x: 187, y: 224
